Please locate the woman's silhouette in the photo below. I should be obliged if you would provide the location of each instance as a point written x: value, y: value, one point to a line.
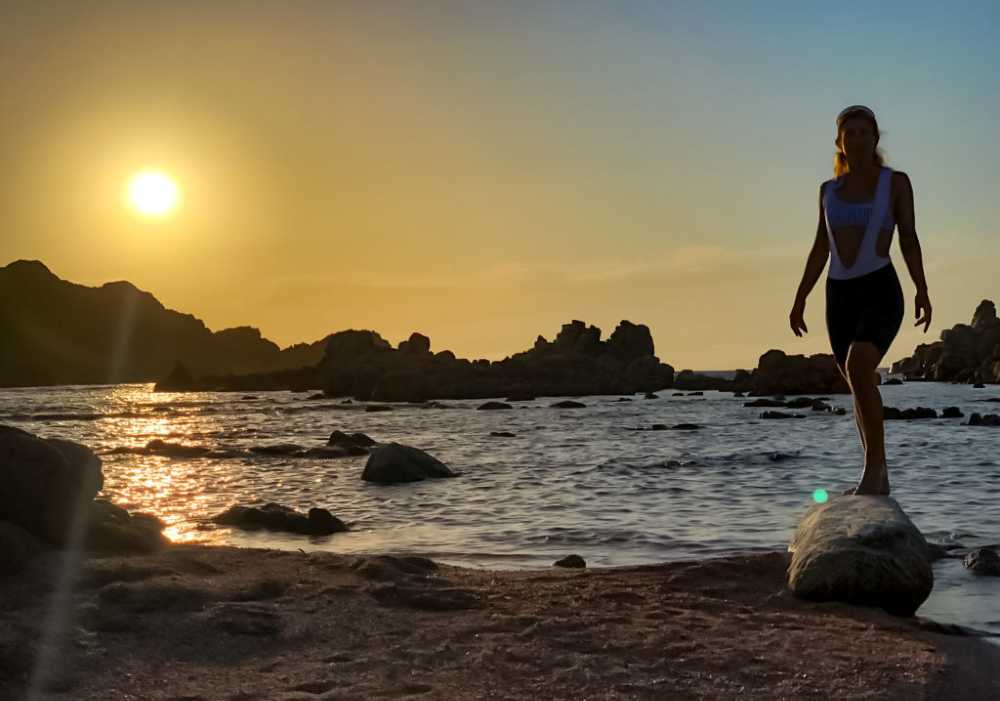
x: 858, y: 211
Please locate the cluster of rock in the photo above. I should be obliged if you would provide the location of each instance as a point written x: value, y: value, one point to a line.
x: 966, y: 352
x: 47, y: 500
x: 362, y: 364
x: 776, y: 373
x: 814, y: 404
x: 577, y: 362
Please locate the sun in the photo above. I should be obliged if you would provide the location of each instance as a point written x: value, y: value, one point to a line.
x: 153, y: 193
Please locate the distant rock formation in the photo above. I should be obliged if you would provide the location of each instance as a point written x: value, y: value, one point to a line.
x: 779, y: 373
x: 689, y: 380
x: 58, y: 332
x: 776, y: 373
x: 966, y: 352
x: 361, y: 364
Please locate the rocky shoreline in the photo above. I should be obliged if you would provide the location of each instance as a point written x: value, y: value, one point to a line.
x: 220, y: 623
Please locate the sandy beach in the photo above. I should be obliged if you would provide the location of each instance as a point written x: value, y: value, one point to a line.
x: 203, y: 623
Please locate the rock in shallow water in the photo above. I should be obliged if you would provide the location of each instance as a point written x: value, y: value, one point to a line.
x: 983, y: 561
x: 570, y: 561
x: 861, y: 550
x: 281, y: 518
x: 393, y: 462
x: 111, y: 528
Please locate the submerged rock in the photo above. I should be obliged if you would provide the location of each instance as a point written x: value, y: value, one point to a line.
x: 281, y: 518
x: 353, y: 443
x: 493, y: 406
x: 861, y: 550
x: 568, y: 404
x: 391, y: 463
x: 780, y: 415
x: 983, y: 561
x: 919, y: 412
x: 988, y: 420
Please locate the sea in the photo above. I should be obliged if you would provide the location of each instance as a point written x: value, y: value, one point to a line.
x: 594, y: 481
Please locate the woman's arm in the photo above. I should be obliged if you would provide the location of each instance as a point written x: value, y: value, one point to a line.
x: 818, y: 256
x: 910, y: 246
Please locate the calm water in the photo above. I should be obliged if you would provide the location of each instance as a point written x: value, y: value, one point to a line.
x: 571, y: 481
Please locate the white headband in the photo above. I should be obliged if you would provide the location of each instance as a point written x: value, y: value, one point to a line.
x: 854, y: 108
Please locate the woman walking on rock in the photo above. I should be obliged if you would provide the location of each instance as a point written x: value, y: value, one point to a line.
x: 858, y: 211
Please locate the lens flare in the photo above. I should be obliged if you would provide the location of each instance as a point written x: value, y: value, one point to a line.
x: 820, y: 496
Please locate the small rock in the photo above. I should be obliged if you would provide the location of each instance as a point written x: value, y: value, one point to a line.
x: 764, y: 402
x: 351, y: 441
x: 983, y: 561
x: 988, y: 420
x: 951, y: 412
x: 567, y: 404
x: 502, y: 434
x: 570, y: 561
x: 780, y: 415
x: 490, y: 406
x: 685, y: 427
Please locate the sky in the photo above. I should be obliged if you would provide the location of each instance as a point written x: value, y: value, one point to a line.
x: 485, y: 172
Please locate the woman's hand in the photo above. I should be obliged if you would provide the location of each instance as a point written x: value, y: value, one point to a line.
x: 795, y: 317
x: 922, y: 303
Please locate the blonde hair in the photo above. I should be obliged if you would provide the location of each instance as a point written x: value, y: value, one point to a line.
x: 840, y: 164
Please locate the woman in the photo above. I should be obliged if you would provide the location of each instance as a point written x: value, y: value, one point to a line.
x: 858, y: 211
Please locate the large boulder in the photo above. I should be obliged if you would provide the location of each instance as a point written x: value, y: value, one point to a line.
x: 861, y: 550
x: 393, y: 462
x: 46, y: 485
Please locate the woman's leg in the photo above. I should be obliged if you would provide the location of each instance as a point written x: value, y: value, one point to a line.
x: 857, y: 411
x: 862, y: 360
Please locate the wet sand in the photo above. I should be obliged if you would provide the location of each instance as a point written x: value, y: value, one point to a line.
x: 204, y: 623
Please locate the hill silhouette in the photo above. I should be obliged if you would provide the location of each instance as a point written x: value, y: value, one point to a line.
x: 57, y: 332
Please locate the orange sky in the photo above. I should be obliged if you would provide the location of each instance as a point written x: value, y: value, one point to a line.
x: 479, y: 174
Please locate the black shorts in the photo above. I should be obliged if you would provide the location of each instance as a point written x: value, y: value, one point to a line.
x: 865, y: 308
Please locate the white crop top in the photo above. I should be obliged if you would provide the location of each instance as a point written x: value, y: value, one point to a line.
x: 872, y: 215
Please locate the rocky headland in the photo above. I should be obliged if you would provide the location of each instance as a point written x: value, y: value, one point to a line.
x: 967, y: 353
x: 56, y: 332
